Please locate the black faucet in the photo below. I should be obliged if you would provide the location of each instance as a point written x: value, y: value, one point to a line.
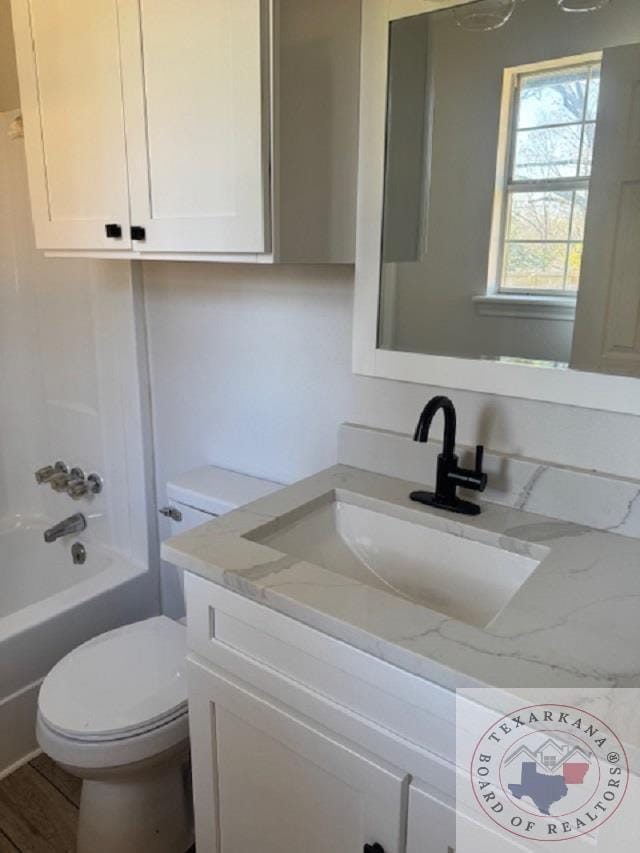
x: 449, y: 474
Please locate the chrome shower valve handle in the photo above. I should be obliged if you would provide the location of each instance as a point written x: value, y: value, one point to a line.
x: 60, y: 481
x: 94, y: 484
x: 46, y: 474
x: 74, y: 482
x: 77, y: 488
x: 43, y: 475
x: 80, y: 485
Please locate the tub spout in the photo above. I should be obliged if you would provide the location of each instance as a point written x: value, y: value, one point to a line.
x: 74, y: 524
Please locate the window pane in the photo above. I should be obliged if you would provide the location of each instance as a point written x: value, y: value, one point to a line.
x: 554, y: 97
x: 573, y: 266
x: 586, y: 160
x: 534, y: 266
x: 549, y: 153
x: 579, y: 214
x: 594, y: 94
x: 552, y: 146
x: 539, y: 216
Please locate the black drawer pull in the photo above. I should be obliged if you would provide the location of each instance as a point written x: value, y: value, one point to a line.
x: 373, y: 848
x: 113, y: 230
x: 138, y: 232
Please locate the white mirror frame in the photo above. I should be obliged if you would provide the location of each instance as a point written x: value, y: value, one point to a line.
x: 555, y: 385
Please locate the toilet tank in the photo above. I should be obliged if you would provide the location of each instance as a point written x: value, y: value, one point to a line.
x: 207, y: 492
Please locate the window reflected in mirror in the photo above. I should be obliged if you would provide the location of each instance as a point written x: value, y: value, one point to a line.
x: 550, y: 130
x: 511, y: 225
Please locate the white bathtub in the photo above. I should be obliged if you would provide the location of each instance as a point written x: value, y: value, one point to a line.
x: 47, y: 607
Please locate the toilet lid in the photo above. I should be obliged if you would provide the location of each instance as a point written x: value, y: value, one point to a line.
x: 120, y: 683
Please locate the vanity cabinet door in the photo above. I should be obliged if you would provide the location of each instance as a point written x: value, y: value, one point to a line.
x: 196, y: 109
x: 432, y: 829
x: 267, y: 780
x: 71, y: 96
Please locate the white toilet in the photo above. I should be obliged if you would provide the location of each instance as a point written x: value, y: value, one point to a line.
x: 114, y: 710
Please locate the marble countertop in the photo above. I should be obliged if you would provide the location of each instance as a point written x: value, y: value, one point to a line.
x: 574, y: 622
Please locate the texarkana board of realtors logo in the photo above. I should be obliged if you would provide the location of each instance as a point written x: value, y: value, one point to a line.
x: 549, y: 772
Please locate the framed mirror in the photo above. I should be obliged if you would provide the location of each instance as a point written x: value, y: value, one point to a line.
x: 499, y: 198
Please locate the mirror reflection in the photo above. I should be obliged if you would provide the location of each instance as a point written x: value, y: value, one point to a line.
x: 512, y: 184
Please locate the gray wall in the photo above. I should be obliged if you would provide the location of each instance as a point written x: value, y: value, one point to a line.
x: 251, y: 369
x: 9, y: 98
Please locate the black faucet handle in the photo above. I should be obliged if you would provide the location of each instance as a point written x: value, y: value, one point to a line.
x: 481, y: 484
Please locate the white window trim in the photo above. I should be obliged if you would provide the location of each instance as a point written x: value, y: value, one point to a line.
x: 532, y: 306
x: 506, y: 139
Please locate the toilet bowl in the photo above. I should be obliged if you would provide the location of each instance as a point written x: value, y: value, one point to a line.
x: 114, y: 713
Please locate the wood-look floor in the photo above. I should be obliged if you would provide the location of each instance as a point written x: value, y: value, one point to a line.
x: 39, y: 809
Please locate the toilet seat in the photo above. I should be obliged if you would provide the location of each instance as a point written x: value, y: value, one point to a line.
x: 87, y: 758
x: 120, y: 685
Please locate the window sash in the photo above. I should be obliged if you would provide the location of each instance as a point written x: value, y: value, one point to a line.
x: 548, y: 185
x: 565, y: 185
x: 518, y: 185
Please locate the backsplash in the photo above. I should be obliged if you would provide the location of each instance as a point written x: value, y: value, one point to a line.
x: 570, y: 494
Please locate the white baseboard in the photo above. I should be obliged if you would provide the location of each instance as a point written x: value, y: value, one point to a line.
x: 19, y: 763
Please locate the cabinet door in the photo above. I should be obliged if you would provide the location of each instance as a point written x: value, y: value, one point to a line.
x: 70, y: 86
x: 435, y: 827
x: 267, y: 780
x: 432, y: 829
x: 197, y: 132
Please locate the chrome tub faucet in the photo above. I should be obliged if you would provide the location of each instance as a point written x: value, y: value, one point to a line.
x: 74, y: 524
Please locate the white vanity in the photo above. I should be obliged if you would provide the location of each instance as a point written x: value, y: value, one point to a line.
x: 330, y: 623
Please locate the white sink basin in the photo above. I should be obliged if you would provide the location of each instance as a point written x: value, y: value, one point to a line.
x: 413, y: 558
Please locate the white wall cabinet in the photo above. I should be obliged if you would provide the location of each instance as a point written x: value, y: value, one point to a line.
x: 70, y: 89
x: 197, y: 132
x: 205, y: 129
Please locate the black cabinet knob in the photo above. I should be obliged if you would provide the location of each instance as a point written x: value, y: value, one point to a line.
x: 373, y: 848
x: 113, y: 230
x: 138, y: 232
